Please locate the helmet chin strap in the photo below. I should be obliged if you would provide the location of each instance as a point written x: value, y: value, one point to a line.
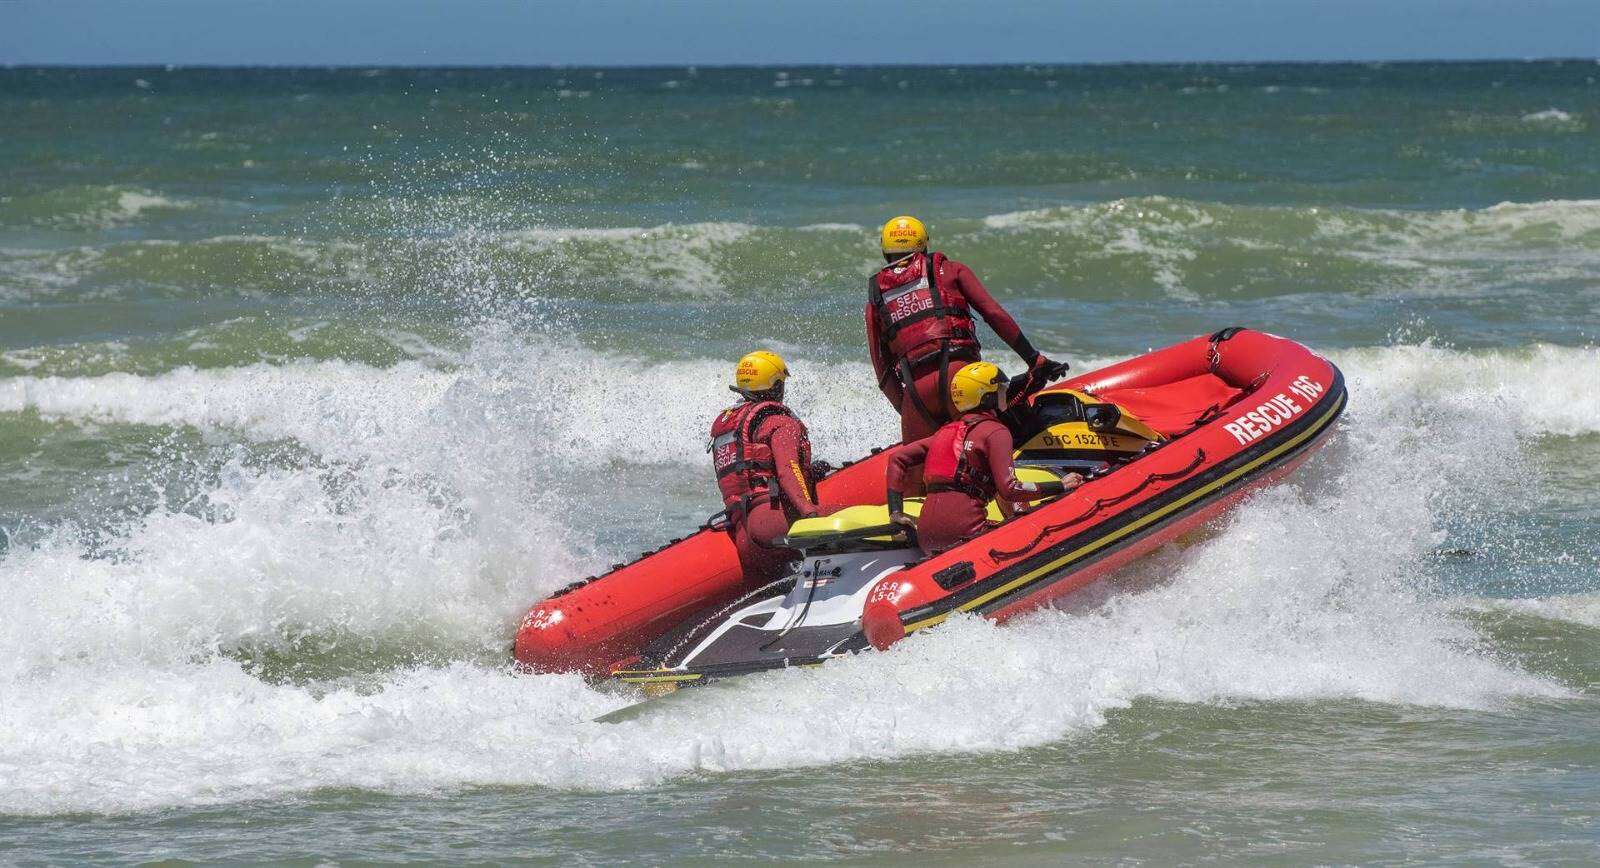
x: 773, y: 394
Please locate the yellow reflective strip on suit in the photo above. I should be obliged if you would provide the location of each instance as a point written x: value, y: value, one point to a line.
x: 1131, y: 527
x: 653, y: 677
x: 800, y: 476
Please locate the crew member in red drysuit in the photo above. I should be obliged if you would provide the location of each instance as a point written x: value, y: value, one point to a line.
x: 920, y: 335
x: 965, y: 464
x: 762, y: 457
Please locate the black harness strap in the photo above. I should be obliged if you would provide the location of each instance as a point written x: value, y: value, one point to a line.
x: 751, y: 501
x: 910, y: 384
x: 741, y: 466
x: 971, y: 491
x: 944, y: 380
x: 945, y: 353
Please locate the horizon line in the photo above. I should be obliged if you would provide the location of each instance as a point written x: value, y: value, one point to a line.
x: 171, y: 66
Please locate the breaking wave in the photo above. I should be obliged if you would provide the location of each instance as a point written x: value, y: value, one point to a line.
x: 86, y: 207
x: 1580, y: 609
x: 334, y: 406
x: 1553, y: 117
x: 1138, y: 247
x: 1537, y: 390
x: 1200, y: 250
x: 330, y: 605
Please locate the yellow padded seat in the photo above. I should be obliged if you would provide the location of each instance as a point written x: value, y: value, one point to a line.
x: 853, y: 518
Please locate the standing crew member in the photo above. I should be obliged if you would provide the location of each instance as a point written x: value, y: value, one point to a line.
x: 965, y: 464
x: 920, y: 332
x: 762, y: 457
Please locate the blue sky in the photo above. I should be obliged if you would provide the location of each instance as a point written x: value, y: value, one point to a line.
x: 678, y: 32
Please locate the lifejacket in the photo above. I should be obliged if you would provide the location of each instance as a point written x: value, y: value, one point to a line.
x: 744, y: 465
x: 949, y: 465
x: 920, y: 316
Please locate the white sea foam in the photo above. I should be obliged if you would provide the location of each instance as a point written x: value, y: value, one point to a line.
x: 1508, y: 222
x: 1512, y: 226
x: 274, y: 556
x: 344, y: 409
x: 1549, y: 117
x: 132, y: 203
x: 22, y: 359
x: 1168, y: 241
x: 451, y: 498
x: 332, y: 407
x: 1541, y: 389
x: 96, y: 207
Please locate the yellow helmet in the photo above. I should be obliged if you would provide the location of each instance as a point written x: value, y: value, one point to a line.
x: 973, y: 383
x: 759, y: 371
x: 902, y: 235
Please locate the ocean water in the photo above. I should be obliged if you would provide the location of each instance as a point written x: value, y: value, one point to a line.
x: 312, y: 381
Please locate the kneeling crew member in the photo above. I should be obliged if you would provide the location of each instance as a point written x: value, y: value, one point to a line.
x: 921, y: 331
x: 762, y: 457
x: 965, y: 464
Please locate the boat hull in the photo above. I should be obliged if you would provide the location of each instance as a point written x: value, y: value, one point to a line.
x: 1243, y: 409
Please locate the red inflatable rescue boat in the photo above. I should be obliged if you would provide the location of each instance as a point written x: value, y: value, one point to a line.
x: 1168, y: 441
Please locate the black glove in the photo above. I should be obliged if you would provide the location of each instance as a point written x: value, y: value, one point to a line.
x: 821, y: 468
x: 1038, y: 375
x: 1051, y: 369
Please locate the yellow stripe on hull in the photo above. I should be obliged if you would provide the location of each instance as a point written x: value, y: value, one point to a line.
x: 1131, y: 527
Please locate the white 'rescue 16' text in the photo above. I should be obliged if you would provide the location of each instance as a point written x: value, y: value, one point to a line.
x: 1275, y: 412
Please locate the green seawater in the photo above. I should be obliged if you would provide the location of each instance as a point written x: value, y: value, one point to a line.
x: 312, y: 381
